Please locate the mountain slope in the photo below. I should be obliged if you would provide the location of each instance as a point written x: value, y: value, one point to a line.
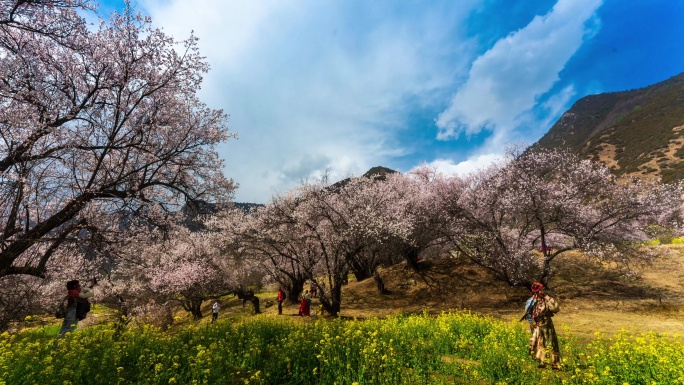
x: 636, y: 132
x: 376, y: 173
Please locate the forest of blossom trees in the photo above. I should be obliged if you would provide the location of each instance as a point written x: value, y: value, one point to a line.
x: 513, y: 219
x: 103, y: 142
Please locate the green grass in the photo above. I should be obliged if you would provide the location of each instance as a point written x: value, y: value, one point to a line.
x: 453, y: 348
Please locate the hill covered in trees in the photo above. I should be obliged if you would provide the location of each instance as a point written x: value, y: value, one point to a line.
x: 637, y: 132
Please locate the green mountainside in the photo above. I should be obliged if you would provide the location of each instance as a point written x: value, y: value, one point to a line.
x: 636, y: 132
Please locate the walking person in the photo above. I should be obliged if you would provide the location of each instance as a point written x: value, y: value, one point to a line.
x: 214, y: 311
x: 75, y: 295
x: 281, y: 297
x: 539, y: 311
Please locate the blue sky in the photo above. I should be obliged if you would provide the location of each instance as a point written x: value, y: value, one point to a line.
x: 345, y: 85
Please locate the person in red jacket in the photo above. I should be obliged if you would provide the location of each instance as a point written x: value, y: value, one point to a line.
x: 281, y: 298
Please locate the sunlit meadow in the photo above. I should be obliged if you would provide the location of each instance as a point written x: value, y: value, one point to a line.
x: 453, y: 348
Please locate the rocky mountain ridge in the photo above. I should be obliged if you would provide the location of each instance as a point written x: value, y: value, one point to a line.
x: 636, y: 133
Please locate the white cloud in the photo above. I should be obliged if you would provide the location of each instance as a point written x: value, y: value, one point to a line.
x: 317, y: 85
x: 557, y: 103
x: 554, y: 107
x: 331, y: 85
x: 471, y: 165
x: 508, y: 79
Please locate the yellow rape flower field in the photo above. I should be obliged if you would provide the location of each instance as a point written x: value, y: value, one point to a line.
x: 451, y: 348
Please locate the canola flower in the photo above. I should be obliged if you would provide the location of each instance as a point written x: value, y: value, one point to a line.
x: 457, y: 347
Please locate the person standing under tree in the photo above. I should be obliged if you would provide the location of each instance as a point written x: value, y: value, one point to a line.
x: 539, y: 310
x: 75, y: 294
x: 305, y: 305
x: 214, y: 311
x: 281, y: 297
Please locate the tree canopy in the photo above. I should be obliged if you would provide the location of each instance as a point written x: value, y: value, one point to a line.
x: 98, y: 128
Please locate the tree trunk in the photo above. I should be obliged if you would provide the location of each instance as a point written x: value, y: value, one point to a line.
x: 195, y: 307
x: 248, y: 295
x: 295, y: 291
x: 360, y: 275
x: 332, y: 305
x: 546, y: 270
x: 411, y: 256
x: 379, y: 283
x: 123, y: 319
x: 359, y: 270
x: 255, y: 303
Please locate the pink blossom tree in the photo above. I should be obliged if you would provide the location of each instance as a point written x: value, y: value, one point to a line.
x: 279, y: 241
x: 516, y: 217
x: 96, y: 124
x: 418, y: 191
x: 344, y: 221
x: 396, y: 199
x: 272, y: 240
x: 177, y: 268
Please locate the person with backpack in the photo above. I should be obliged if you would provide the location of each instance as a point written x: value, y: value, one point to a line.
x: 77, y: 305
x: 214, y: 311
x: 281, y: 297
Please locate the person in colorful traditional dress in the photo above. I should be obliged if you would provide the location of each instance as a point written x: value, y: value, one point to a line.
x: 539, y: 311
x: 305, y: 305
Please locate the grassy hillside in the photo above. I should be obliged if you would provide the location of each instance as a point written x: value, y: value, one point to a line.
x: 633, y: 132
